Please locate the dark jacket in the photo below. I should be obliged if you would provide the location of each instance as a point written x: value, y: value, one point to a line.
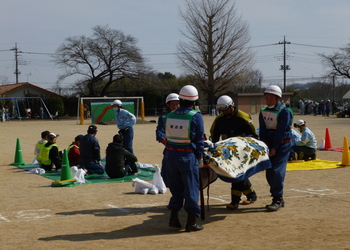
x: 116, y: 155
x: 238, y: 123
x: 89, y: 150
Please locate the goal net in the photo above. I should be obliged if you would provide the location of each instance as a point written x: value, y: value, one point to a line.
x: 98, y: 109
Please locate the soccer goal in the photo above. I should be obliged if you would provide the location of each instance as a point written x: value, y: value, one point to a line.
x: 98, y: 109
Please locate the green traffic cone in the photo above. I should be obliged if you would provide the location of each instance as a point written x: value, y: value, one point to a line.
x: 65, y: 171
x: 66, y: 177
x: 18, y: 155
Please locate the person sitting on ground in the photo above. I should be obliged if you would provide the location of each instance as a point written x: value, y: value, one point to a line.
x: 295, y: 137
x: 50, y: 154
x: 307, y: 145
x: 119, y: 161
x: 90, y: 157
x: 39, y: 145
x: 74, y: 151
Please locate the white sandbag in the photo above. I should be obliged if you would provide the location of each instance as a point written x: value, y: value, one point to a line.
x: 36, y: 171
x: 73, y: 171
x: 158, y: 181
x: 144, y: 187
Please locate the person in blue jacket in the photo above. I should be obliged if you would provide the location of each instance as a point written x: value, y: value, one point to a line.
x: 184, y: 133
x: 275, y: 122
x: 306, y: 146
x: 125, y: 123
x: 171, y: 103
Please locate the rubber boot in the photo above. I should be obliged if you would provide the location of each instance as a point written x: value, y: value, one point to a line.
x: 277, y: 203
x: 235, y: 199
x: 191, y: 223
x: 174, y: 219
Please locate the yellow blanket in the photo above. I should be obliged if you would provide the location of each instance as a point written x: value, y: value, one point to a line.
x: 311, y: 165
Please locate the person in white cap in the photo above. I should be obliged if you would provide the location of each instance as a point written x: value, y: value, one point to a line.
x: 232, y: 122
x: 50, y: 155
x: 171, y: 103
x: 184, y: 133
x: 125, y: 122
x: 306, y: 146
x: 275, y: 123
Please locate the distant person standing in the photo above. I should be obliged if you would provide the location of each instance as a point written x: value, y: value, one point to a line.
x: 172, y: 102
x: 327, y: 107
x: 90, y: 157
x: 275, y: 124
x: 125, y: 122
x: 42, y: 113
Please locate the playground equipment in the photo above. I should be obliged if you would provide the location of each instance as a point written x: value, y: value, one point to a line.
x: 16, y: 106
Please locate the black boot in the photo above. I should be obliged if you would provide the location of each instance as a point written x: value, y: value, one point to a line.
x: 174, y: 219
x: 251, y: 196
x: 277, y: 203
x: 191, y: 223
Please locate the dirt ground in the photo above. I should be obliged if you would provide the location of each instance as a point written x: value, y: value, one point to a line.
x: 34, y: 215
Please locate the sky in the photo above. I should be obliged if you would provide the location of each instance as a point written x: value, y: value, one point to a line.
x: 38, y: 27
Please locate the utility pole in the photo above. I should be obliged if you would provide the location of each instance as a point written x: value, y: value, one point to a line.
x: 284, y: 67
x: 16, y: 58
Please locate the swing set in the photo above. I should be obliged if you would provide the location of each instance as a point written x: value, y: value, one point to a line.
x: 16, y: 108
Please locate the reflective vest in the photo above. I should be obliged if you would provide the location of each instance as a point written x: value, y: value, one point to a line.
x: 71, y: 146
x: 178, y: 127
x: 44, y: 154
x: 39, y: 145
x: 271, y: 116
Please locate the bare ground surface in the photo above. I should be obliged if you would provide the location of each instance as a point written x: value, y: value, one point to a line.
x: 34, y: 215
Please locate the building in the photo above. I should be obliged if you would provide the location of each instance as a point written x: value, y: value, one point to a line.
x: 25, y: 89
x: 252, y: 102
x: 26, y: 100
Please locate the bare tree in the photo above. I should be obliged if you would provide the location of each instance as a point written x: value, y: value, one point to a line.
x: 252, y: 84
x: 101, y: 59
x: 339, y: 62
x: 4, y: 80
x: 216, y: 50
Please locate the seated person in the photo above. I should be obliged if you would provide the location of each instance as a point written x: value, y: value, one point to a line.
x: 74, y: 151
x: 295, y: 137
x: 39, y: 145
x: 90, y: 158
x: 50, y: 155
x: 119, y: 161
x: 307, y: 145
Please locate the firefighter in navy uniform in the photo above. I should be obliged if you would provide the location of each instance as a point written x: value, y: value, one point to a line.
x: 184, y: 132
x: 275, y: 122
x: 232, y: 122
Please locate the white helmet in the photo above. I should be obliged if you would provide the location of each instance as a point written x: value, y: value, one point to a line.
x: 172, y: 97
x: 224, y: 102
x: 117, y: 103
x: 274, y: 89
x: 299, y: 123
x: 189, y: 93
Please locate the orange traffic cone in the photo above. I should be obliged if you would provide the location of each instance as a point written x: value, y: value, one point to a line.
x: 345, y: 156
x: 18, y: 155
x: 66, y: 177
x: 328, y: 142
